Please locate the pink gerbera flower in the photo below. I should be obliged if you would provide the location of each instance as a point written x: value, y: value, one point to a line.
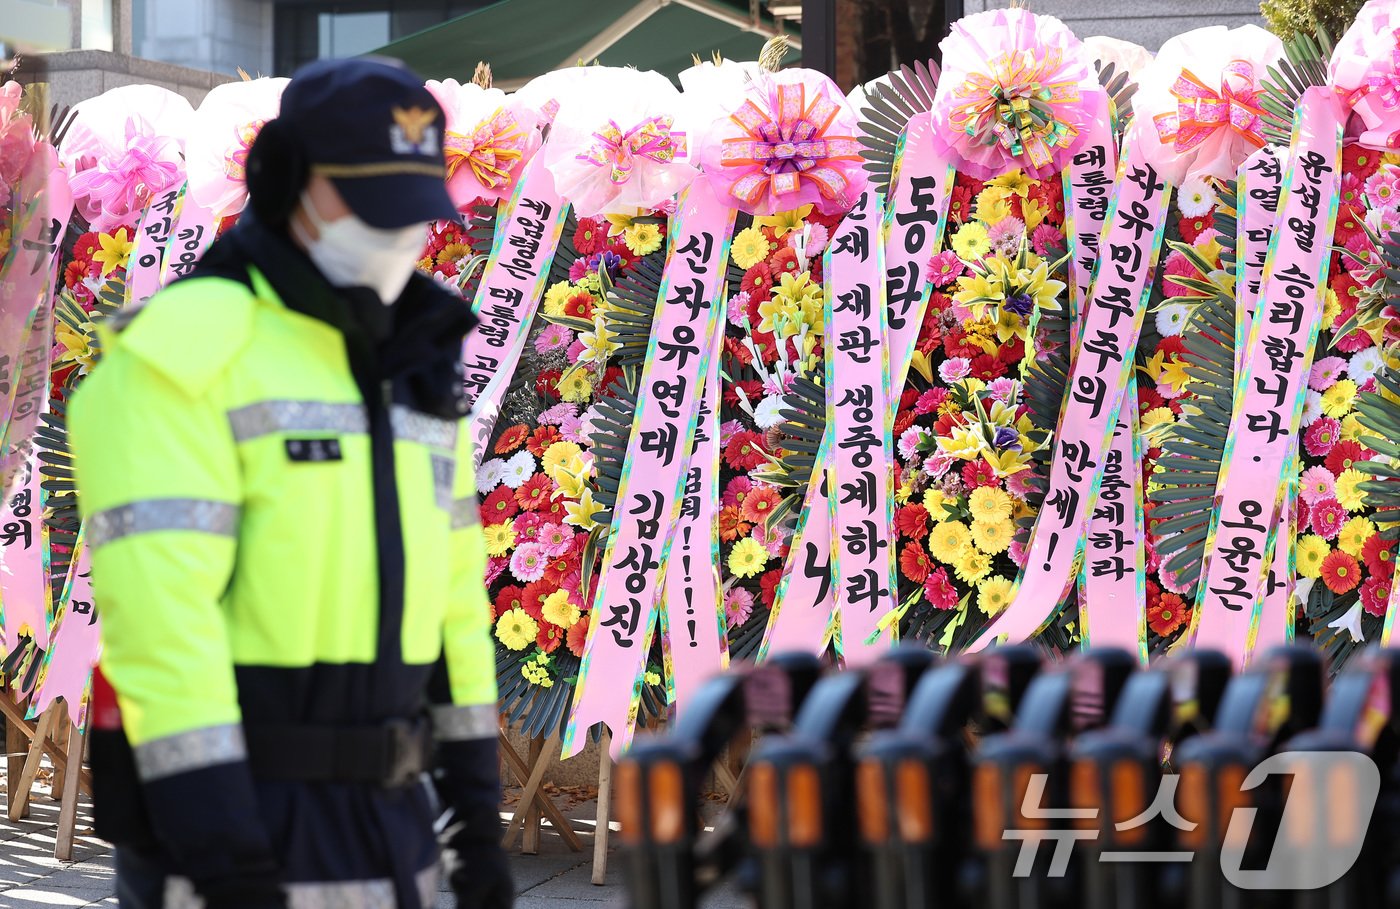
x: 1327, y: 518
x: 1317, y: 484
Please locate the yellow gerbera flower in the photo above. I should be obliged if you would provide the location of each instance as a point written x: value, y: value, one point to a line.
x: 499, y: 538
x: 989, y: 503
x: 575, y: 386
x: 558, y: 456
x: 948, y: 540
x: 747, y: 558
x: 1353, y: 536
x: 557, y: 609
x: 972, y: 565
x: 935, y: 503
x: 1308, y: 554
x: 643, y: 239
x: 994, y: 594
x: 749, y: 248
x: 1348, y: 492
x: 970, y: 242
x: 556, y: 297
x: 1337, y: 400
x: 517, y: 629
x: 993, y: 537
x: 1157, y: 416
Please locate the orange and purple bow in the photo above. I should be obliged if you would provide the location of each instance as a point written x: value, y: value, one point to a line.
x: 1201, y: 110
x: 492, y: 149
x: 236, y: 158
x: 787, y: 147
x: 618, y: 151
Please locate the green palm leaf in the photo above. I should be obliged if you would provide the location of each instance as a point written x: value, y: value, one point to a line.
x: 1303, y: 65
x: 891, y: 102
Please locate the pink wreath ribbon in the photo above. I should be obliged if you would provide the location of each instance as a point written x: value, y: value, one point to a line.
x: 618, y: 151
x: 1201, y: 110
x: 492, y: 149
x: 787, y: 147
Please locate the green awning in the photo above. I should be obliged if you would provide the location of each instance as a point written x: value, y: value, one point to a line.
x: 522, y: 39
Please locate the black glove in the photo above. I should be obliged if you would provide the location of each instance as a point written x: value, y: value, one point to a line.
x: 480, y: 876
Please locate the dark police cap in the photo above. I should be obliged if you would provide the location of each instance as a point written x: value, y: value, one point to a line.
x: 371, y: 128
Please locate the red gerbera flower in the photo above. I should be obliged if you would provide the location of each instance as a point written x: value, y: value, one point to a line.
x: 912, y: 521
x: 978, y: 473
x: 578, y: 636
x: 580, y: 305
x: 902, y: 421
x: 553, y: 510
x: 1359, y: 160
x: 757, y: 282
x: 500, y: 506
x: 1346, y: 454
x: 735, y: 348
x: 512, y: 438
x: 752, y: 388
x: 590, y: 237
x: 1168, y: 615
x: 960, y: 204
x: 1375, y: 596
x: 547, y: 384
x: 1379, y: 555
x: 1191, y: 228
x: 549, y: 637
x: 607, y: 386
x: 534, y: 492
x: 542, y: 438
x: 768, y: 584
x: 759, y: 503
x: 1340, y: 572
x: 939, y: 591
x: 987, y: 367
x: 784, y: 261
x: 914, y: 562
x: 508, y: 598
x: 744, y: 451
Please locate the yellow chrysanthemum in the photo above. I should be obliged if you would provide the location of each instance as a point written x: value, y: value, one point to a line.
x: 749, y: 248
x: 557, y: 609
x: 575, y: 386
x: 1348, y: 491
x: 970, y: 242
x: 1337, y: 400
x: 973, y: 565
x: 499, y: 538
x: 1308, y: 554
x: 517, y: 629
x: 455, y: 252
x: 994, y: 594
x: 747, y: 558
x: 989, y: 503
x: 1353, y: 536
x: 993, y: 537
x: 948, y: 539
x: 642, y: 239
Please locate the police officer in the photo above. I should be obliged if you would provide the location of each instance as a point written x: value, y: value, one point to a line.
x: 277, y: 491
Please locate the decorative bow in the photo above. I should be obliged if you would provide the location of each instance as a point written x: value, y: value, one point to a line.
x: 236, y: 159
x: 1384, y: 85
x: 787, y: 146
x: 618, y: 151
x: 1015, y: 106
x: 123, y: 181
x: 1201, y: 110
x: 492, y: 149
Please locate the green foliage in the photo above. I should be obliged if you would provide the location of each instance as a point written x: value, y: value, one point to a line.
x: 1290, y: 18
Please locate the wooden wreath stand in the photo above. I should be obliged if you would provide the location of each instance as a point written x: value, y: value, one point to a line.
x: 26, y: 742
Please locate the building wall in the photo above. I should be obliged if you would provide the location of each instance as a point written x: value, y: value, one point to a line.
x: 74, y: 76
x: 1145, y: 22
x: 217, y: 35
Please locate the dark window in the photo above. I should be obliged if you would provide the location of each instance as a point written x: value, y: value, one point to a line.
x: 306, y: 30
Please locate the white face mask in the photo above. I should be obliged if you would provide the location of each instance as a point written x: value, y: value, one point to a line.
x: 350, y: 253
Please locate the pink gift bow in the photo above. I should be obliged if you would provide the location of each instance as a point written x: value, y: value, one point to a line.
x: 1385, y: 86
x: 1201, y: 110
x: 651, y: 139
x: 493, y: 148
x: 789, y: 148
x: 120, y: 185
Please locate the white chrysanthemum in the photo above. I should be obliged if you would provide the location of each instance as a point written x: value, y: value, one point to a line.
x: 768, y: 412
x: 1171, y: 319
x: 518, y: 469
x: 490, y: 474
x: 1195, y: 198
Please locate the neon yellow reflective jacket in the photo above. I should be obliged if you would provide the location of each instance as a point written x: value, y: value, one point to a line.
x: 277, y: 491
